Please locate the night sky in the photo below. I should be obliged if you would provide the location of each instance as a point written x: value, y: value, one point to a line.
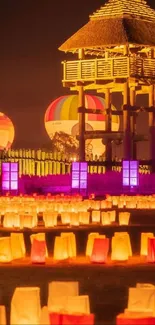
x: 30, y: 64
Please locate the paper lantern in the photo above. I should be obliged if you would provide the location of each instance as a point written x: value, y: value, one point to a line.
x: 141, y: 299
x: 105, y: 218
x: 44, y: 317
x: 103, y: 204
x: 100, y: 250
x: 121, y: 247
x: 77, y: 304
x: 84, y: 218
x: 151, y: 250
x: 38, y: 251
x: 90, y: 243
x: 137, y: 319
x: 28, y: 221
x: 65, y: 218
x: 74, y: 219
x: 17, y: 245
x: 66, y: 319
x: 2, y: 315
x: 71, y: 243
x: 112, y: 215
x: 57, y: 293
x: 96, y: 216
x: 60, y: 248
x: 11, y: 220
x: 124, y: 218
x: 144, y: 242
x: 120, y: 205
x: 50, y: 218
x: 41, y: 237
x: 25, y: 306
x: 5, y: 250
x: 95, y: 205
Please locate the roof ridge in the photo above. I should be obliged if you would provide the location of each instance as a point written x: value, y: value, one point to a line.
x: 120, y: 8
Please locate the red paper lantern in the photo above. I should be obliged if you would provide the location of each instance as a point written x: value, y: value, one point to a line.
x: 38, y: 251
x: 151, y: 250
x: 123, y: 319
x: 100, y: 250
x: 67, y: 319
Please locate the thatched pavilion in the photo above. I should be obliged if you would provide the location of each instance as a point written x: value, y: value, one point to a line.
x: 115, y: 53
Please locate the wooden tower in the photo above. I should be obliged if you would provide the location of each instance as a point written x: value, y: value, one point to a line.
x: 115, y: 53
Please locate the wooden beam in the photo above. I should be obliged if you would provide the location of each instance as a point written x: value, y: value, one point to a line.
x: 90, y: 111
x: 99, y: 134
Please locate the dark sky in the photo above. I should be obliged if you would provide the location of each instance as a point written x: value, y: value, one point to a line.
x: 30, y: 64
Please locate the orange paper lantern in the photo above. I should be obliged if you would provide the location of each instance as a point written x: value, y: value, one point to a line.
x: 138, y: 319
x: 38, y: 251
x: 151, y: 250
x: 100, y: 250
x: 67, y: 319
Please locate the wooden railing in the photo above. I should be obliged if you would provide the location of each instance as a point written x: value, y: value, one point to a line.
x: 101, y: 69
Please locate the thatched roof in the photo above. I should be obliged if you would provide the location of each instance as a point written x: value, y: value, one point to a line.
x: 118, y: 22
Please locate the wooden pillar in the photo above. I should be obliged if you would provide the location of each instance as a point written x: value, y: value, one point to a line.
x: 81, y: 103
x: 152, y: 126
x: 126, y: 124
x: 133, y: 124
x: 108, y: 126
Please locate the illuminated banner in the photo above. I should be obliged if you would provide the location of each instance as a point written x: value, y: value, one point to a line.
x: 79, y: 175
x: 130, y: 173
x: 9, y: 176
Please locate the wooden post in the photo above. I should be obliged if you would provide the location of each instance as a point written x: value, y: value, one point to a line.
x: 133, y: 124
x: 152, y: 126
x: 108, y: 126
x: 81, y: 103
x: 126, y: 124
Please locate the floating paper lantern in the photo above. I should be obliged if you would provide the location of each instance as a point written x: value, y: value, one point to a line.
x: 144, y: 242
x: 38, y: 251
x: 7, y: 132
x: 124, y: 218
x: 100, y: 250
x: 151, y: 250
x: 62, y: 116
x: 25, y: 306
x: 58, y: 292
x: 17, y: 245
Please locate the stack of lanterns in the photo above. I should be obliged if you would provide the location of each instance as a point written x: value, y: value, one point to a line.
x: 141, y: 306
x: 64, y: 306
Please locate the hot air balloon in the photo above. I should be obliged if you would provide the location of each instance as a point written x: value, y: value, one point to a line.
x: 62, y: 117
x: 6, y: 132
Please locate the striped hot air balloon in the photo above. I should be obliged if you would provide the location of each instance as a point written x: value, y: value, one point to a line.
x: 7, y: 132
x: 62, y: 116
